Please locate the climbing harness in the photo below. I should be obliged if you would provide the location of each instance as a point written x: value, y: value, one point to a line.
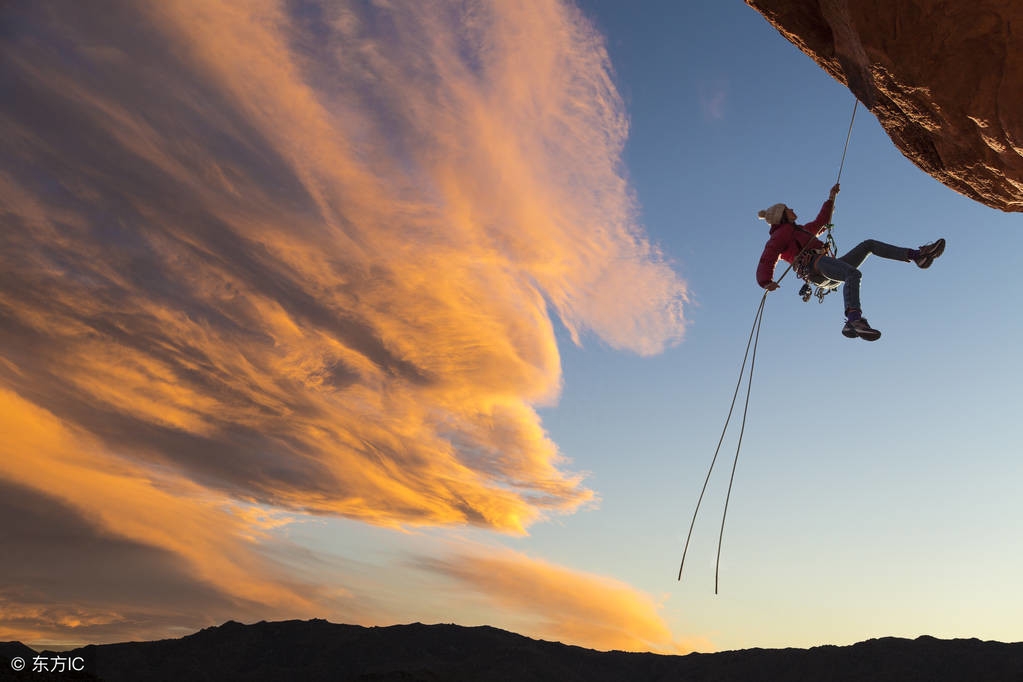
x: 805, y: 267
x: 823, y: 286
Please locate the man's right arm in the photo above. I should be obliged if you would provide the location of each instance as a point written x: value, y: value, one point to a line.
x: 768, y: 261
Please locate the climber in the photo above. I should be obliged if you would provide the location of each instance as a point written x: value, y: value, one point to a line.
x: 798, y: 245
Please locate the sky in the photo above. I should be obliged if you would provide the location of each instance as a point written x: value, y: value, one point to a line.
x: 386, y: 312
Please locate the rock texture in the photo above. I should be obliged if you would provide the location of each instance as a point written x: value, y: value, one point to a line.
x: 944, y: 78
x: 316, y: 650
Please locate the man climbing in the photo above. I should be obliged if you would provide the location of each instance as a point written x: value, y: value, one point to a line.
x: 798, y: 245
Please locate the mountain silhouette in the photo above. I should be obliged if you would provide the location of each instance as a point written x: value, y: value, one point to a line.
x: 311, y: 651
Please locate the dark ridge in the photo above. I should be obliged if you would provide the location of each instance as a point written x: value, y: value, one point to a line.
x: 311, y: 651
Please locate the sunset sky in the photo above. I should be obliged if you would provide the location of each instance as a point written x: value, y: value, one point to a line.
x: 384, y: 312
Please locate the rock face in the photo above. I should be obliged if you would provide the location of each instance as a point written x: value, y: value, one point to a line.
x: 944, y: 78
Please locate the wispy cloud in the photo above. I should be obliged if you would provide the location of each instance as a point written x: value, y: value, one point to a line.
x: 96, y: 545
x: 307, y: 257
x: 714, y: 100
x: 561, y: 604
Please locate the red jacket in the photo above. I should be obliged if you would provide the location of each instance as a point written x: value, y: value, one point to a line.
x: 787, y: 240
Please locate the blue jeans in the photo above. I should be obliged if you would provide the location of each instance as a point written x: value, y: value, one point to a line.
x: 845, y: 269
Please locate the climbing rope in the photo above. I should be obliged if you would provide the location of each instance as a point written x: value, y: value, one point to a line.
x: 752, y: 342
x: 753, y: 334
x: 856, y: 103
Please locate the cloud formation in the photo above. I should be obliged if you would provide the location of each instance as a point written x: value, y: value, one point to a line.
x: 306, y: 257
x: 714, y: 100
x: 97, y: 546
x: 561, y: 604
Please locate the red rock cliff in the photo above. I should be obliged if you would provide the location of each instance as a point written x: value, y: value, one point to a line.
x: 944, y: 78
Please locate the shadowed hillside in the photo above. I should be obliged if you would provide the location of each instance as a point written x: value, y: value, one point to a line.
x: 317, y: 650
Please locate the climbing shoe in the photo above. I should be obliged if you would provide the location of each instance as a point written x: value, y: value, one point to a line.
x: 860, y: 328
x: 927, y: 253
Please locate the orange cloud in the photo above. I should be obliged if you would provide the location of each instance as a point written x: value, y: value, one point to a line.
x: 307, y: 260
x: 557, y: 603
x: 159, y: 509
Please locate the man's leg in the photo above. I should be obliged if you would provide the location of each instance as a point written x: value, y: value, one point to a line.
x: 859, y: 253
x: 841, y: 270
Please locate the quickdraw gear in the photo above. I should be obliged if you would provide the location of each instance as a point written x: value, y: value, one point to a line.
x: 805, y: 267
x: 829, y: 241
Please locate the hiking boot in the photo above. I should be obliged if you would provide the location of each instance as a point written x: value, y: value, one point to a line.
x: 927, y: 253
x: 860, y: 328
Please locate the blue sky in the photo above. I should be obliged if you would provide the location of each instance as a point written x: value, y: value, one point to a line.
x: 322, y: 327
x: 875, y: 494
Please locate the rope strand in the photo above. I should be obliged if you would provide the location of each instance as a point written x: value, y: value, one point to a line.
x: 838, y: 180
x: 742, y: 372
x: 735, y: 462
x: 848, y: 135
